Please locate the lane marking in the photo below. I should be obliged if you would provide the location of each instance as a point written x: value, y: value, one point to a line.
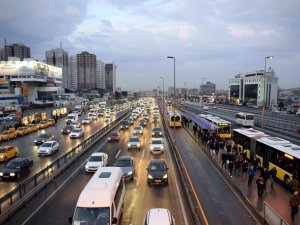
x: 55, y: 192
x: 140, y: 165
x: 118, y: 154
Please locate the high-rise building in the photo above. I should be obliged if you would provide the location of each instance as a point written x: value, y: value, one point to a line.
x: 100, y: 74
x: 17, y: 50
x: 72, y: 81
x: 2, y: 54
x: 59, y: 58
x: 110, y: 77
x: 208, y: 89
x: 86, y: 71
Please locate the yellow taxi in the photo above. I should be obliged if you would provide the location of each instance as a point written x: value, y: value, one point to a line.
x: 8, y: 134
x: 43, y: 124
x: 51, y: 122
x: 21, y: 131
x: 7, y: 152
x: 33, y: 127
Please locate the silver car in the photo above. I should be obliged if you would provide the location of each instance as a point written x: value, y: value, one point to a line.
x: 127, y: 165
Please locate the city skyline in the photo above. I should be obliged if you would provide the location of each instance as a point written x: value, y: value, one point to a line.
x: 212, y: 39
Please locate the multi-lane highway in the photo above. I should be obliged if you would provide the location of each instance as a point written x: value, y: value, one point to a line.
x: 54, y: 205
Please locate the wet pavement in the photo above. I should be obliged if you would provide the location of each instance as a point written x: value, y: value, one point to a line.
x: 277, y: 198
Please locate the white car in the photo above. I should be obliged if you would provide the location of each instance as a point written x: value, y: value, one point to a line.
x: 96, y: 160
x: 138, y: 130
x: 77, y: 133
x: 157, y: 145
x: 76, y: 124
x: 134, y: 142
x: 159, y: 216
x: 86, y: 121
x: 107, y: 118
x: 92, y: 116
x: 48, y: 148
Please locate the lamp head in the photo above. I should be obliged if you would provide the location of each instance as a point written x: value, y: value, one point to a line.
x: 170, y: 57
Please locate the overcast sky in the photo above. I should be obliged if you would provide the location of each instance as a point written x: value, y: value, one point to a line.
x: 215, y: 39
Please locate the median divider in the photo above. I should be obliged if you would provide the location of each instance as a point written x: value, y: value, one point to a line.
x: 29, y: 188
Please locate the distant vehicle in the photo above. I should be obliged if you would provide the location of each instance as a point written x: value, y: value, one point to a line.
x: 159, y: 216
x: 142, y: 123
x: 156, y: 145
x: 78, y: 112
x: 67, y: 129
x: 86, y: 121
x: 72, y: 117
x: 127, y: 165
x: 96, y: 160
x: 33, y: 127
x: 157, y: 172
x: 51, y: 122
x: 114, y: 137
x: 107, y: 118
x: 175, y: 120
x: 92, y: 116
x: 134, y: 142
x: 43, y: 138
x: 138, y: 130
x: 77, y: 133
x: 157, y: 132
x: 43, y: 124
x: 76, y: 124
x: 293, y: 109
x: 244, y: 119
x: 8, y: 152
x: 8, y: 134
x: 16, y: 168
x: 48, y: 148
x: 125, y: 124
x: 101, y: 207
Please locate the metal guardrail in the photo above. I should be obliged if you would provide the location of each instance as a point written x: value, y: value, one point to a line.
x: 271, y: 217
x: 184, y: 178
x: 25, y: 191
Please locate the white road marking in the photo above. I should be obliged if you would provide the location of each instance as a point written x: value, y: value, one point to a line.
x: 140, y: 164
x: 118, y: 153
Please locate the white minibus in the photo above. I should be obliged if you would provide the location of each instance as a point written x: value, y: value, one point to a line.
x: 101, y: 201
x: 244, y: 119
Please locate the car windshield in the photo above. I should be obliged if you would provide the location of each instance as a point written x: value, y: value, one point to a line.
x: 2, y: 150
x: 134, y: 140
x: 46, y: 145
x: 156, y: 142
x: 76, y: 131
x: 156, y: 130
x: 138, y: 128
x: 69, y: 127
x: 92, y: 216
x: 13, y: 164
x: 124, y: 163
x: 126, y: 122
x: 114, y: 134
x: 157, y: 166
x: 95, y: 158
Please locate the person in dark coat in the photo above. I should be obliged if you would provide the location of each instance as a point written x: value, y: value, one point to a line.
x: 273, y: 173
x: 250, y: 173
x: 266, y: 175
x: 224, y: 159
x: 260, y: 185
x: 294, y: 203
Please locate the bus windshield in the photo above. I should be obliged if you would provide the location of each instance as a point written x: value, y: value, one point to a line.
x: 249, y: 117
x: 91, y: 216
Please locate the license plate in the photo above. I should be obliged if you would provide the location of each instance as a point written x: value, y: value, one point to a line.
x: 157, y: 181
x: 6, y: 176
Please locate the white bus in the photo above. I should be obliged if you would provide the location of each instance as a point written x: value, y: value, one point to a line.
x: 244, y: 119
x: 101, y: 201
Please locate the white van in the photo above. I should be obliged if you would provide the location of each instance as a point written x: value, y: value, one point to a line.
x: 71, y: 118
x: 102, y: 199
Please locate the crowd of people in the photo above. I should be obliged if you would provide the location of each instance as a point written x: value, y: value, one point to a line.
x: 235, y: 162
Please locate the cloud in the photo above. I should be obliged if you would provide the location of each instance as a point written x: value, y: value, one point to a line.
x: 270, y: 32
x: 241, y: 32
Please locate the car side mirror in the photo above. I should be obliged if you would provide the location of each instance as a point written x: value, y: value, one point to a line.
x: 114, y: 220
x: 167, y: 168
x: 147, y: 169
x: 70, y: 220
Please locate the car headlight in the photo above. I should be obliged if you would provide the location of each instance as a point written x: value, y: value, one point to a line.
x: 165, y: 176
x: 153, y: 133
x: 149, y: 176
x: 151, y: 147
x: 12, y: 174
x: 62, y: 130
x: 1, y: 156
x: 129, y: 173
x: 129, y: 145
x: 35, y: 140
x: 1, y: 174
x: 109, y: 138
x: 138, y: 144
x: 160, y: 133
x: 86, y: 166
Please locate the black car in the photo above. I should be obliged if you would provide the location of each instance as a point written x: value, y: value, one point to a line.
x: 157, y: 172
x: 125, y: 124
x: 16, y: 168
x: 142, y: 123
x: 67, y: 129
x: 157, y: 132
x: 43, y: 138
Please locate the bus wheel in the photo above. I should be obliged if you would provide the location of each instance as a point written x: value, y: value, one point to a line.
x: 287, y: 180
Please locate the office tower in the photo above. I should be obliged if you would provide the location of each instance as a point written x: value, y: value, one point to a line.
x: 17, y: 50
x: 59, y: 57
x: 72, y: 81
x: 86, y: 71
x: 110, y: 77
x: 100, y: 74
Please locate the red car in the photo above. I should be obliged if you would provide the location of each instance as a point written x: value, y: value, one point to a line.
x: 114, y: 137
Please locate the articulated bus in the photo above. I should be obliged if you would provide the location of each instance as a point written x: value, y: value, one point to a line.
x: 224, y: 130
x: 175, y: 121
x: 244, y: 119
x: 272, y: 152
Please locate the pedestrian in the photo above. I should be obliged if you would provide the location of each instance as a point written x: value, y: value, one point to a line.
x: 260, y: 185
x: 294, y: 204
x: 273, y: 173
x: 250, y: 173
x: 194, y: 129
x: 255, y: 162
x: 212, y: 148
x: 224, y: 159
x: 230, y: 164
x: 294, y: 184
x: 245, y: 166
x: 266, y: 175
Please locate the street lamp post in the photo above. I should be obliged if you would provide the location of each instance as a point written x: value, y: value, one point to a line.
x: 163, y: 79
x: 172, y: 57
x: 203, y: 78
x: 265, y: 93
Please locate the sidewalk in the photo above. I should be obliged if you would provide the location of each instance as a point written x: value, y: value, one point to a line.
x: 278, y: 198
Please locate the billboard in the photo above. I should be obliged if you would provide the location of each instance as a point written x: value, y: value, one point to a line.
x: 24, y: 68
